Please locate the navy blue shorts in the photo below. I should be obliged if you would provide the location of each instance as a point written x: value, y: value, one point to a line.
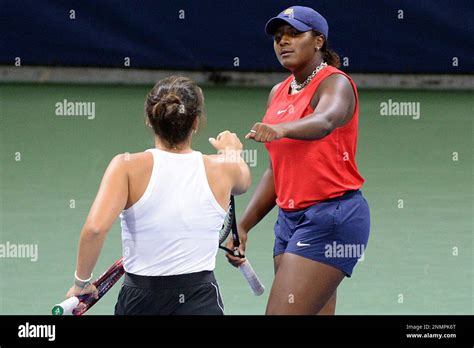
x: 334, y: 232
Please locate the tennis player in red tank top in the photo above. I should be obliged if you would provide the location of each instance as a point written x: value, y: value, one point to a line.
x: 310, y: 132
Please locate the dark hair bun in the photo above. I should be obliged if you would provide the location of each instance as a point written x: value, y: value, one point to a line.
x: 169, y: 106
x: 172, y: 106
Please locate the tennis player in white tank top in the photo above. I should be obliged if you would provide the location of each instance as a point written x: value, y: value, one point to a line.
x: 171, y: 201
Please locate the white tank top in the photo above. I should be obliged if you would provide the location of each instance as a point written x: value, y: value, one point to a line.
x: 174, y: 227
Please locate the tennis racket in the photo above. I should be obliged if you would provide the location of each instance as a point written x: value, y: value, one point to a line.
x: 103, y: 284
x: 230, y: 225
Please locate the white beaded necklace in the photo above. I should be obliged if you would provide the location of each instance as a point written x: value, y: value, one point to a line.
x: 296, y: 87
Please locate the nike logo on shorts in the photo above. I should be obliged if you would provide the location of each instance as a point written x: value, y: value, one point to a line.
x: 302, y: 244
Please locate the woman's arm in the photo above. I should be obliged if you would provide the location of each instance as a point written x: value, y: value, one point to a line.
x: 229, y: 150
x: 109, y: 202
x: 335, y: 106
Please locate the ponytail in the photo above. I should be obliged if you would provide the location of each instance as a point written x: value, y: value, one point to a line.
x: 331, y: 57
x: 328, y: 55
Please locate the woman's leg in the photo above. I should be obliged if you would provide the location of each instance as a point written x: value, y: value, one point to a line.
x: 302, y: 286
x: 330, y: 306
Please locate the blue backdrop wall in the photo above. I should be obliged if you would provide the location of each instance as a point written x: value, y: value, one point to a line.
x: 405, y: 36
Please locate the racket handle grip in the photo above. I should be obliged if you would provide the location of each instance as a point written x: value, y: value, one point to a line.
x: 251, y: 277
x: 66, y: 307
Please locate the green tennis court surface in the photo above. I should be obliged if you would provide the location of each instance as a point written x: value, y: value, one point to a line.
x: 418, y: 183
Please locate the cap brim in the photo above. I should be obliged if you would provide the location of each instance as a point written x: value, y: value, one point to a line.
x: 276, y: 22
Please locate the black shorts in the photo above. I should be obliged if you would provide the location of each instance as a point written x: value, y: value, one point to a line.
x: 184, y: 294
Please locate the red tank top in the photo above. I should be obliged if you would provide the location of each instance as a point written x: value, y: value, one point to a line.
x: 307, y: 172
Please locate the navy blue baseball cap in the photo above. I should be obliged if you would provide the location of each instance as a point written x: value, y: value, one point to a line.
x: 301, y: 18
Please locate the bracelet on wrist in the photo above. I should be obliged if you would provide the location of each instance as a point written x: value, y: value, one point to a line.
x: 82, y: 280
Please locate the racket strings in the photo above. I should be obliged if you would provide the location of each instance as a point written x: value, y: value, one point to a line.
x: 227, y: 225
